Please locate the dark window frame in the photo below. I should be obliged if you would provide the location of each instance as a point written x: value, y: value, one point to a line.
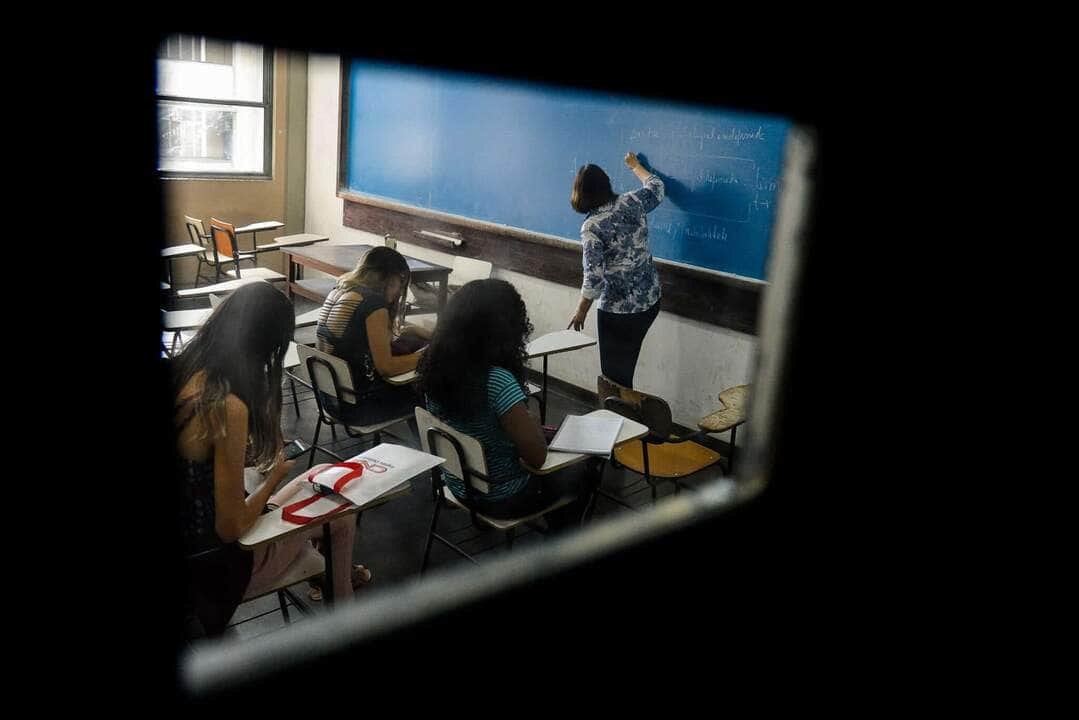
x: 267, y: 127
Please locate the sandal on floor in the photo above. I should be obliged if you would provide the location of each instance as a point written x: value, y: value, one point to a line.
x: 360, y: 577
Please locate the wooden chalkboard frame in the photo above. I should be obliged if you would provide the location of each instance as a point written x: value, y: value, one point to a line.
x: 700, y: 294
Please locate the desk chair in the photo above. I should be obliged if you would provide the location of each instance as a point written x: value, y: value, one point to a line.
x: 295, y: 372
x: 175, y: 322
x: 332, y: 376
x: 307, y: 565
x: 732, y: 415
x: 226, y: 250
x: 320, y: 286
x: 209, y: 258
x: 465, y: 459
x: 660, y: 455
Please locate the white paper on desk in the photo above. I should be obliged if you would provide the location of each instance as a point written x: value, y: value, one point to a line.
x: 385, y: 467
x: 587, y: 434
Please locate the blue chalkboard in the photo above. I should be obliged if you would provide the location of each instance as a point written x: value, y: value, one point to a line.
x: 507, y: 152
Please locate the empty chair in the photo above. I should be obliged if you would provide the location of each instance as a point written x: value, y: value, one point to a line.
x: 209, y: 258
x: 660, y: 455
x: 223, y: 236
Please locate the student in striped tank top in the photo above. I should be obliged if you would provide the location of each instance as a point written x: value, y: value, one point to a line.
x: 473, y: 375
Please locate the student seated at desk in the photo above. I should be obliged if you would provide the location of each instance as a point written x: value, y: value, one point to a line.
x: 473, y: 374
x: 226, y: 389
x: 356, y: 323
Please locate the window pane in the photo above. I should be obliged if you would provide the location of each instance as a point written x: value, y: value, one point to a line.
x: 232, y: 71
x: 210, y: 138
x: 218, y: 51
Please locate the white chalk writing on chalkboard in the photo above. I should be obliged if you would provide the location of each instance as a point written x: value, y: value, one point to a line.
x: 699, y: 136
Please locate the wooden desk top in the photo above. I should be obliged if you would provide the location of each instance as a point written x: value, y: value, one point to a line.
x: 226, y: 286
x: 308, y: 318
x: 184, y: 319
x: 403, y: 379
x: 557, y: 342
x: 301, y: 240
x: 343, y: 258
x: 733, y: 412
x: 292, y: 357
x: 270, y: 527
x: 260, y: 226
x: 188, y: 249
x: 631, y: 430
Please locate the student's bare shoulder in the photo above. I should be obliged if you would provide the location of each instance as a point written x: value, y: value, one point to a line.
x: 235, y: 409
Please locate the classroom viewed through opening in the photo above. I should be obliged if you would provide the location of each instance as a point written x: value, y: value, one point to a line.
x: 604, y: 403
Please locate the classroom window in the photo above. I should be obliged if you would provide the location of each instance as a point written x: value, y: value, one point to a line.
x: 214, y: 108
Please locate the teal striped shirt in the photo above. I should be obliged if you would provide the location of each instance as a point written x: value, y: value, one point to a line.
x: 504, y: 471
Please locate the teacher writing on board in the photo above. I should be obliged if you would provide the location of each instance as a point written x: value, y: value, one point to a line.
x: 618, y: 267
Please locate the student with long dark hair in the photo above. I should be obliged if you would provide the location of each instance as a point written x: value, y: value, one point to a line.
x: 226, y: 386
x: 473, y: 374
x: 618, y: 267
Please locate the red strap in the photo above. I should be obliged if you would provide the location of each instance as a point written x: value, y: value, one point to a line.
x: 357, y: 470
x: 289, y: 512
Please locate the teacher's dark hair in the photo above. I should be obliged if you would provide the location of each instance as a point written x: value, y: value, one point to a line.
x: 591, y: 189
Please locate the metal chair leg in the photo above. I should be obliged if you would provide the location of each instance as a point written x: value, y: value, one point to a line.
x: 647, y: 471
x: 314, y: 443
x: 284, y: 605
x: 430, y: 536
x: 730, y: 460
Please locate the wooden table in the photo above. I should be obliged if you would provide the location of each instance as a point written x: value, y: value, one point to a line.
x: 339, y: 259
x: 552, y: 344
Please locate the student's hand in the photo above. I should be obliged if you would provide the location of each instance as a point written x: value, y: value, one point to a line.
x: 632, y: 161
x: 290, y: 488
x: 280, y: 468
x: 577, y: 321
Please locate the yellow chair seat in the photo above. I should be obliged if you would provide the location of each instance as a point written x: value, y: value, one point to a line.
x: 669, y: 460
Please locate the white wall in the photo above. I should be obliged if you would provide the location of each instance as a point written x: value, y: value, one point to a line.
x: 684, y: 361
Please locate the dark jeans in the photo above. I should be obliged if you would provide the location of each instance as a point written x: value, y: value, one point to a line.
x: 620, y: 338
x: 578, y: 480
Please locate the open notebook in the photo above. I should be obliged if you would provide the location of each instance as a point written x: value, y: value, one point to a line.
x: 587, y: 434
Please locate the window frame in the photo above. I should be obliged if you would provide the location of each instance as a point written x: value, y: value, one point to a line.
x: 267, y: 106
